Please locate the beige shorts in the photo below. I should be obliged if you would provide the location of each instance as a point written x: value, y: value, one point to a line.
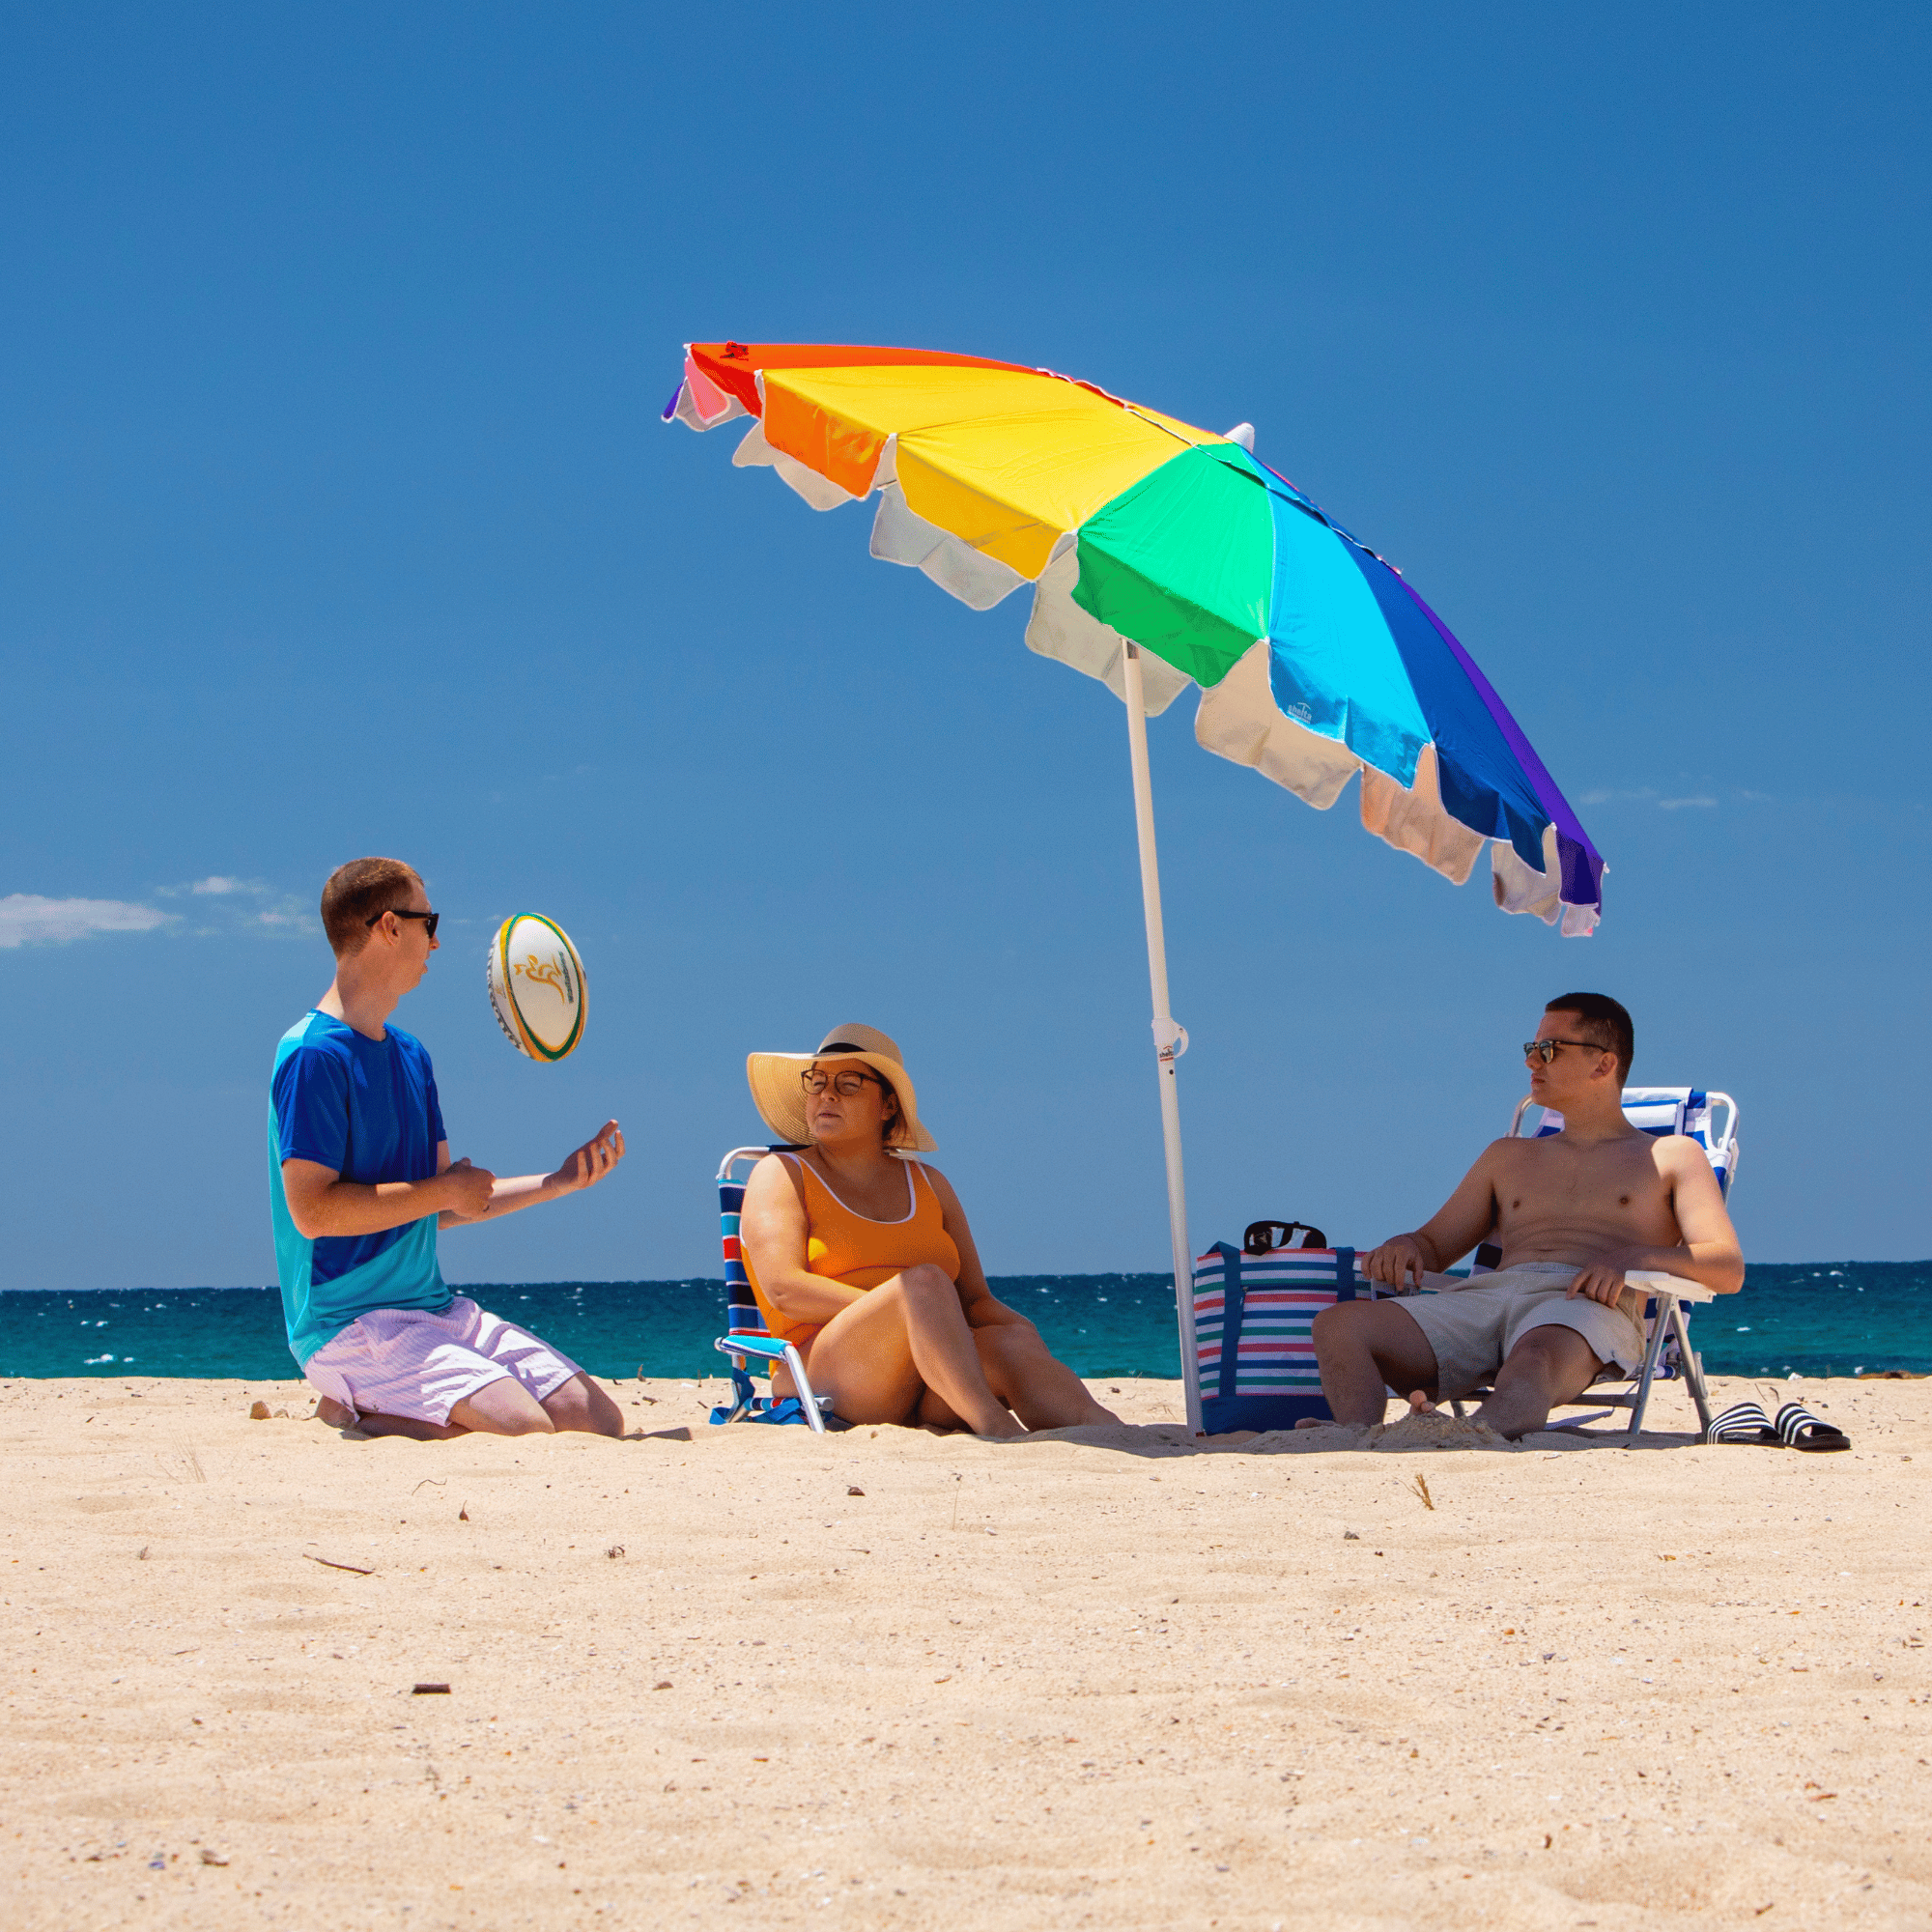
x: 1473, y: 1329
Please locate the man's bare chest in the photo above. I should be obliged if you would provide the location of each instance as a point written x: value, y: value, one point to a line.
x: 1615, y: 1184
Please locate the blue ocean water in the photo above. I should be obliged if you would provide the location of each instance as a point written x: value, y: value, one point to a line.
x: 1813, y: 1318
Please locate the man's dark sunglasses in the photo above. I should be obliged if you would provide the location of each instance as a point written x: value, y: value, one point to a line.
x: 429, y: 919
x: 1543, y: 1050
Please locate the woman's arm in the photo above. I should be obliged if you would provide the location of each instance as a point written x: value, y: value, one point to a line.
x: 773, y: 1231
x: 982, y: 1307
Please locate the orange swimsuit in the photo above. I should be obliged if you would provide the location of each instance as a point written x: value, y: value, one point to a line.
x: 857, y: 1252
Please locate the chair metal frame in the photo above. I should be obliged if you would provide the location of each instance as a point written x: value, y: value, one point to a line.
x: 1666, y: 1316
x: 747, y: 1337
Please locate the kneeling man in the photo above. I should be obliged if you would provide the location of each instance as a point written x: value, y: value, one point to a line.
x: 360, y: 1179
x: 1570, y: 1214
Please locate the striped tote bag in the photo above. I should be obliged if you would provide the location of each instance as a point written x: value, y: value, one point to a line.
x: 1252, y: 1316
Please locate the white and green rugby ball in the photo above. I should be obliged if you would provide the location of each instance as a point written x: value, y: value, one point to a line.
x: 536, y: 987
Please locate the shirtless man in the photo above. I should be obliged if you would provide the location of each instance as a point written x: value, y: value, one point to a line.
x: 1571, y: 1215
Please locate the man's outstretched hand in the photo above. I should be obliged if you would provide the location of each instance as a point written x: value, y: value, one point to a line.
x: 592, y: 1161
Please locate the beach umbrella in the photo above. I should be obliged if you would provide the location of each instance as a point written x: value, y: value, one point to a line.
x: 1161, y: 556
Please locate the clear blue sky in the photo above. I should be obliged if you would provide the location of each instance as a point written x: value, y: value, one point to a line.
x: 337, y: 517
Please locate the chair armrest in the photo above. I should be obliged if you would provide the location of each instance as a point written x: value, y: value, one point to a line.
x: 761, y: 1346
x: 1652, y: 1281
x: 1431, y: 1284
x: 1647, y: 1281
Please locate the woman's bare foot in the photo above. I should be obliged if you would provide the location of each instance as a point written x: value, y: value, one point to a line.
x: 336, y: 1414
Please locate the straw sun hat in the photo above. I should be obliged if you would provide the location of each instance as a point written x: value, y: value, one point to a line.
x: 777, y: 1096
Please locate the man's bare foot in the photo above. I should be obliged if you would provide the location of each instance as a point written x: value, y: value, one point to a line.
x: 1420, y: 1405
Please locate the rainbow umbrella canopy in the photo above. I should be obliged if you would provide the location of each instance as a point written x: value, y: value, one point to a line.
x: 1162, y: 555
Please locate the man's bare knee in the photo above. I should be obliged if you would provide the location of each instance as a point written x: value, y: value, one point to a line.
x: 513, y: 1425
x: 1555, y: 1356
x: 581, y: 1405
x: 1340, y: 1323
x: 503, y: 1407
x: 1548, y: 1364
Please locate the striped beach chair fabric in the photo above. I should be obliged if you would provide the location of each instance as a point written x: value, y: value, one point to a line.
x: 747, y: 1339
x: 1252, y: 1321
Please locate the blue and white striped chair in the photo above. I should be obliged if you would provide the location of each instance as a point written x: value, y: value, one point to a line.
x: 1668, y: 1351
x: 747, y: 1338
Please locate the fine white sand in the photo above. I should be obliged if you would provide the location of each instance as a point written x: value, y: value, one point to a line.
x: 1106, y: 1679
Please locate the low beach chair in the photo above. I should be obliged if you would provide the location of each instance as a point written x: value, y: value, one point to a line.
x: 747, y: 1339
x: 1668, y: 1351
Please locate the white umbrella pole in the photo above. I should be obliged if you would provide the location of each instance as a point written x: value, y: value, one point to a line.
x: 1170, y: 1041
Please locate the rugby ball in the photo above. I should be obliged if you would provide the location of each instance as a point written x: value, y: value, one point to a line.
x: 536, y: 987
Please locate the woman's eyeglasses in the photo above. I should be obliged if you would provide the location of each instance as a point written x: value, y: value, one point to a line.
x: 845, y: 1085
x: 429, y: 919
x: 1544, y: 1050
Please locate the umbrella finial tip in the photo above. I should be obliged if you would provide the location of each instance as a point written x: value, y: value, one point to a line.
x: 1244, y: 435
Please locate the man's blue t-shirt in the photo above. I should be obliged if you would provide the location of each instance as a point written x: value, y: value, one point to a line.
x: 368, y: 1109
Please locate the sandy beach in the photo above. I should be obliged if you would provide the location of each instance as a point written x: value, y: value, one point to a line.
x: 883, y: 1679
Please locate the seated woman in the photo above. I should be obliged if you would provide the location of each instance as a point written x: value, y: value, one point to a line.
x: 864, y: 1259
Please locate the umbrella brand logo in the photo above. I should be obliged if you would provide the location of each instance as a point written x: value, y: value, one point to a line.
x: 553, y: 973
x: 1301, y: 713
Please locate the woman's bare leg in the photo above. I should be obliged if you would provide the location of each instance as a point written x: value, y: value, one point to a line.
x: 876, y: 1358
x: 1043, y: 1392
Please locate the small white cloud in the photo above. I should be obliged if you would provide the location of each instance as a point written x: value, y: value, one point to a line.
x: 1601, y: 796
x: 1678, y: 803
x: 217, y: 884
x: 27, y: 918
x: 287, y: 914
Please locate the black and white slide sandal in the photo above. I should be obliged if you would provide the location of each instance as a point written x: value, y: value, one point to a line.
x: 1798, y: 1429
x: 1741, y: 1422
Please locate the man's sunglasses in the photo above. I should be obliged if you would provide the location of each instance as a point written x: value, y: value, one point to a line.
x: 429, y: 919
x: 1544, y: 1050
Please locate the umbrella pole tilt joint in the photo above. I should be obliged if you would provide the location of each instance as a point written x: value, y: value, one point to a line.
x: 1169, y: 1036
